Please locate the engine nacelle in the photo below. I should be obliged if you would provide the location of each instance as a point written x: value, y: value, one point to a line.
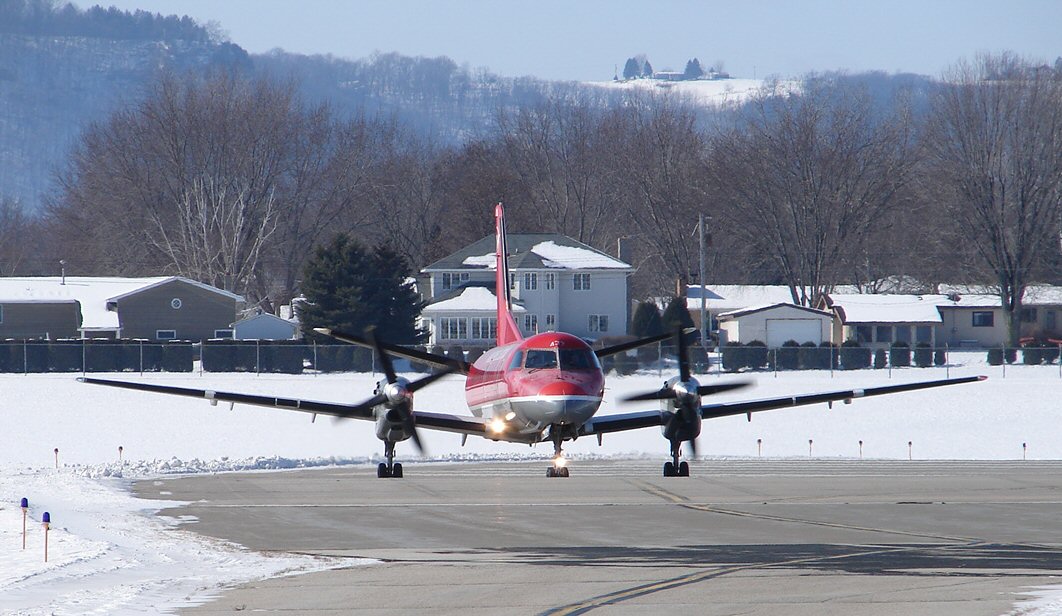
x: 683, y: 411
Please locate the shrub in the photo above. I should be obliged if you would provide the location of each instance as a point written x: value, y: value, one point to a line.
x: 923, y: 355
x: 879, y: 358
x: 809, y: 355
x: 788, y: 356
x: 900, y: 355
x: 995, y: 357
x: 1049, y: 352
x: 940, y: 357
x: 756, y: 355
x: 1032, y: 354
x: 1010, y: 354
x: 625, y: 364
x: 733, y: 356
x: 853, y: 356
x: 830, y: 358
x: 698, y: 359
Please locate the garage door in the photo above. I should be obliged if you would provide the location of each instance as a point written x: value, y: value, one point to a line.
x: 801, y: 330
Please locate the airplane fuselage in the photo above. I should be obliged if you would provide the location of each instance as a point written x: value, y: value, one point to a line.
x: 549, y: 379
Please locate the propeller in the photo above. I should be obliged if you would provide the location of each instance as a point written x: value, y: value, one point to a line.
x: 397, y: 394
x: 685, y: 392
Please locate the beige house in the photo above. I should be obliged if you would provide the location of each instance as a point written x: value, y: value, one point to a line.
x: 776, y: 324
x: 160, y: 308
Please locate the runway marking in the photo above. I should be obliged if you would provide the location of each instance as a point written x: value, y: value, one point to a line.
x: 693, y: 578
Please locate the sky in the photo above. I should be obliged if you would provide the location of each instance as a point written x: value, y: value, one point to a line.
x: 589, y: 40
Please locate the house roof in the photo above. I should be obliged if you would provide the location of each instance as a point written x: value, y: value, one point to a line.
x: 728, y: 297
x: 265, y: 316
x: 471, y: 297
x: 92, y: 293
x: 733, y: 314
x: 530, y: 251
x: 882, y: 308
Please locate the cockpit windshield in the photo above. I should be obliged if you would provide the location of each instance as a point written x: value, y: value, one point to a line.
x: 540, y: 358
x: 577, y: 359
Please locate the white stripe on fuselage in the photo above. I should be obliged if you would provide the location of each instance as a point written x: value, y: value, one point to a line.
x: 479, y: 408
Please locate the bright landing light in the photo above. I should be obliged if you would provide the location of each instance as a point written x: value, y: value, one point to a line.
x: 497, y: 425
x: 560, y: 462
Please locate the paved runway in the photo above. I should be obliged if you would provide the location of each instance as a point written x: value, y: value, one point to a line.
x: 764, y: 537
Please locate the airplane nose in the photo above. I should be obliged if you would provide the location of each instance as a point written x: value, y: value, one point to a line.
x: 563, y: 388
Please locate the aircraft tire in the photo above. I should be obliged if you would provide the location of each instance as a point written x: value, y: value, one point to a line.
x: 397, y: 472
x: 684, y: 469
x: 669, y: 469
x: 551, y: 472
x: 563, y: 472
x: 381, y: 471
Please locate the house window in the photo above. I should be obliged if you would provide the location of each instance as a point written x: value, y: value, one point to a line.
x: 864, y: 334
x: 581, y: 282
x: 883, y: 333
x: 176, y: 303
x: 512, y: 282
x: 550, y: 281
x: 1028, y: 315
x: 225, y: 334
x: 452, y: 328
x: 1, y: 314
x: 165, y: 334
x: 531, y: 281
x: 983, y: 318
x: 452, y: 280
x: 903, y: 333
x: 1050, y: 320
x: 598, y: 323
x: 531, y: 323
x: 484, y: 328
x: 924, y: 333
x: 551, y: 322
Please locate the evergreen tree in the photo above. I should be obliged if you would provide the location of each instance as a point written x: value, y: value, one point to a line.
x: 647, y: 69
x: 693, y: 69
x: 631, y: 69
x: 676, y: 315
x: 349, y: 289
x: 647, y: 321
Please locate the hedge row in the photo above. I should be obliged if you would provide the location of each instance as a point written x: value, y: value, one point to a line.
x: 95, y: 356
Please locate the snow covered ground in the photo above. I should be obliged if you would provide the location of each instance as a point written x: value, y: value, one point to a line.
x: 714, y: 93
x: 109, y: 554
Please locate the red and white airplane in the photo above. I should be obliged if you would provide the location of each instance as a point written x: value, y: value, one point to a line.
x: 544, y: 388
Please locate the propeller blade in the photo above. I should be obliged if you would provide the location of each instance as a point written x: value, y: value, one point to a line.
x: 693, y: 447
x: 385, y: 359
x: 416, y: 441
x: 707, y: 390
x: 660, y: 394
x: 683, y: 356
x: 355, y: 411
x: 431, y: 378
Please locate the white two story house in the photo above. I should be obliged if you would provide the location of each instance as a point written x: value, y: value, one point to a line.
x: 557, y: 283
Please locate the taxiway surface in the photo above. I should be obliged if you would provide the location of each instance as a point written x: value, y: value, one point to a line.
x: 782, y: 536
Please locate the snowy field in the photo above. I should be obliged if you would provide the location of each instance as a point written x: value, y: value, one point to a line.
x: 712, y: 93
x: 108, y: 553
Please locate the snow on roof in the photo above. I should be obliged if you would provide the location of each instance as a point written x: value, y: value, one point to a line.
x: 875, y: 308
x: 265, y: 316
x: 707, y: 92
x: 728, y: 297
x: 752, y: 309
x: 92, y: 293
x: 571, y: 257
x: 553, y: 255
x: 469, y: 299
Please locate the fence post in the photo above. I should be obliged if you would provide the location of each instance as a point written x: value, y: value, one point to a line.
x: 141, y: 358
x: 947, y: 361
x: 83, y: 367
x: 25, y: 358
x: 1004, y: 349
x: 258, y: 357
x: 315, y: 370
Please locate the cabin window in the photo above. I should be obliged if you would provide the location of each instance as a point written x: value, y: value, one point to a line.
x: 550, y: 281
x: 165, y: 334
x: 531, y: 281
x: 518, y: 358
x: 224, y: 334
x: 983, y: 318
x: 578, y: 359
x: 598, y: 323
x: 581, y: 282
x: 451, y: 328
x: 540, y: 358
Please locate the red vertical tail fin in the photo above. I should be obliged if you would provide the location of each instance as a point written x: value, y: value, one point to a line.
x: 508, y: 332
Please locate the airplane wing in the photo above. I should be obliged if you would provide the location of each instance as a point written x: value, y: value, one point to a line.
x: 645, y: 419
x: 401, y: 351
x: 475, y: 426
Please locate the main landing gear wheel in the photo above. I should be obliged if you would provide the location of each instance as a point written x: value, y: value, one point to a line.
x: 682, y: 469
x: 390, y: 468
x: 557, y: 472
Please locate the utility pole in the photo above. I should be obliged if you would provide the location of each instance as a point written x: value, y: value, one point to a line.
x: 704, y: 289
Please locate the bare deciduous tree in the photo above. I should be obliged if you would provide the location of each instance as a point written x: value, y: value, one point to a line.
x: 994, y: 142
x: 806, y: 177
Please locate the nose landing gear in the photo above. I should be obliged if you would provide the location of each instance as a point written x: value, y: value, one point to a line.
x: 391, y: 468
x: 559, y: 468
x: 676, y: 468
